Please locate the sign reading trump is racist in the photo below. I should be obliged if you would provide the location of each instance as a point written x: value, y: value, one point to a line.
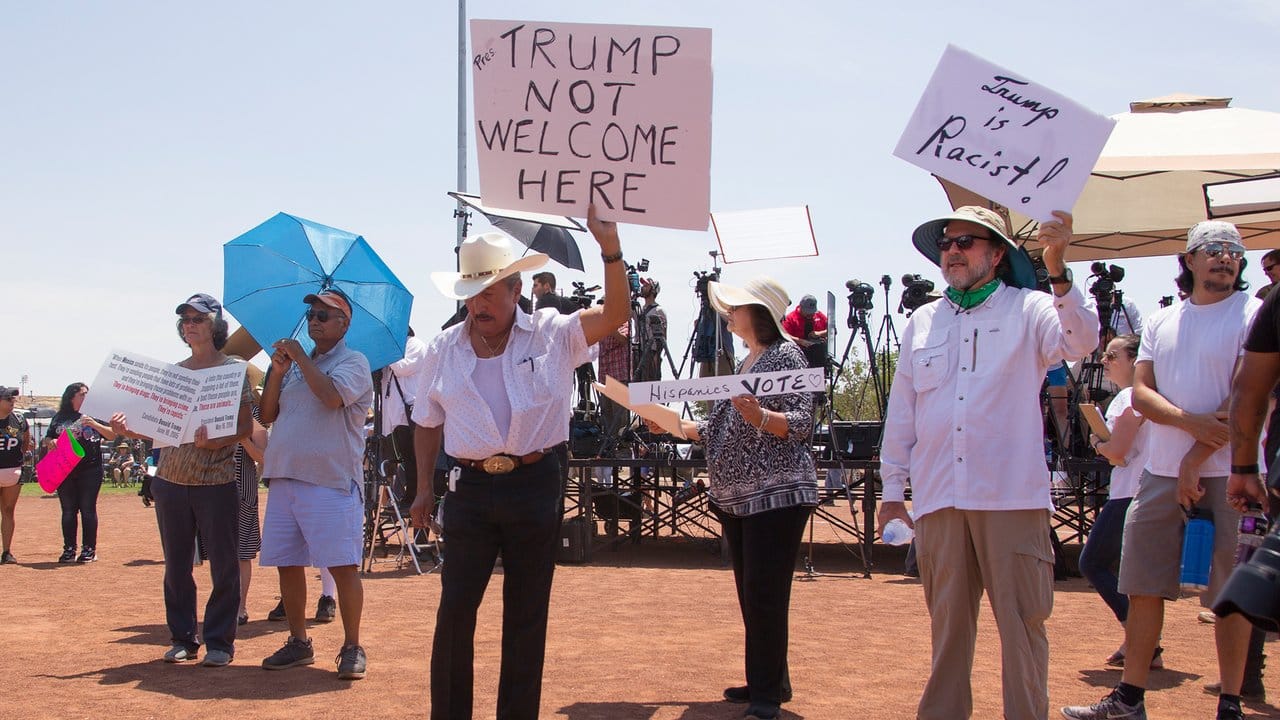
x: 1002, y: 136
x: 570, y: 114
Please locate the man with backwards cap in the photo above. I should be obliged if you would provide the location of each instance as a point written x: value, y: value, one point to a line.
x: 316, y: 404
x: 1181, y: 383
x: 964, y: 427
x: 497, y: 388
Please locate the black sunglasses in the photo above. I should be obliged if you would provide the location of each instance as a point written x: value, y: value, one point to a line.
x: 322, y: 315
x: 193, y: 320
x: 1214, y: 249
x: 964, y: 242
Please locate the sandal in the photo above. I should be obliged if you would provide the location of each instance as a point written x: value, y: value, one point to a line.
x: 1157, y: 659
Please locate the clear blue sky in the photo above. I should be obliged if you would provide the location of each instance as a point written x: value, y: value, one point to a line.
x: 138, y: 137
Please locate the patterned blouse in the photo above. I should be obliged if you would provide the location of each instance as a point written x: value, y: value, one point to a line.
x: 751, y: 471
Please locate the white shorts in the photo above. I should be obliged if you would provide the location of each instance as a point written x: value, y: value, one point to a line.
x: 308, y: 524
x: 10, y: 476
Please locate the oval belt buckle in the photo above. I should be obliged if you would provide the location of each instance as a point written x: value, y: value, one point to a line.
x: 498, y: 464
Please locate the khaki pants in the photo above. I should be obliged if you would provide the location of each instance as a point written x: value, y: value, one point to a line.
x: 1007, y: 553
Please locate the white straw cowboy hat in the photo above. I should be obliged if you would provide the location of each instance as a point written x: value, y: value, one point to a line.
x: 482, y: 261
x: 763, y: 290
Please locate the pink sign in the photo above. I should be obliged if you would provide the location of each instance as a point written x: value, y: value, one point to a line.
x: 569, y: 114
x: 54, y: 467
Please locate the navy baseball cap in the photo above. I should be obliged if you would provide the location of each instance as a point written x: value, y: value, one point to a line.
x: 201, y: 302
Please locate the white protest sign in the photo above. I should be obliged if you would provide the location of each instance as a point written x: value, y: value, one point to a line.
x: 1003, y: 137
x: 781, y: 382
x: 568, y: 114
x: 166, y: 402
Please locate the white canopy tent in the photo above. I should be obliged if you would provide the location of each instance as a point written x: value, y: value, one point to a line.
x: 1147, y: 188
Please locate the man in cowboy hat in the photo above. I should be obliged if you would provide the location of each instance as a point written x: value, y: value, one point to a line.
x: 315, y: 509
x: 964, y: 428
x: 497, y: 389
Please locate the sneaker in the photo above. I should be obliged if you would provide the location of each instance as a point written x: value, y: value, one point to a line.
x: 1250, y: 694
x: 295, y: 652
x: 326, y: 609
x: 1229, y: 712
x: 351, y: 662
x: 742, y: 696
x: 87, y: 555
x: 7, y: 558
x: 68, y: 554
x: 216, y: 658
x: 1110, y: 707
x: 1207, y: 616
x: 242, y: 618
x: 179, y: 653
x: 277, y: 612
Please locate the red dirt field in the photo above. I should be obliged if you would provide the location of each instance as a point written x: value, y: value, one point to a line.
x: 649, y: 632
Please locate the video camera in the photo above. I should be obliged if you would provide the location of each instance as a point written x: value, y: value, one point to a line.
x: 916, y: 293
x: 1107, y: 277
x: 860, y: 295
x: 633, y: 275
x: 582, y: 295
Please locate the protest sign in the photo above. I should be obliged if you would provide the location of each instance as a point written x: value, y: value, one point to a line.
x: 569, y: 114
x: 727, y: 386
x: 1003, y: 137
x: 58, y: 463
x: 166, y: 402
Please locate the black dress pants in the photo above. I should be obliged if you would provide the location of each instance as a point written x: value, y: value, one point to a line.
x: 182, y: 511
x: 763, y: 549
x: 516, y: 515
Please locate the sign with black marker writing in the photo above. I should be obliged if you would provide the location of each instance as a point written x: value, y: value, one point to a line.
x: 1002, y: 136
x: 568, y: 114
x: 781, y: 382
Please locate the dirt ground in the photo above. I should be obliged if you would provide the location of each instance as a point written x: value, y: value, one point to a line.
x: 649, y: 632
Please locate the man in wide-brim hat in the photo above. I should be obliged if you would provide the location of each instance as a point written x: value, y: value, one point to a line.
x: 964, y: 426
x: 496, y: 389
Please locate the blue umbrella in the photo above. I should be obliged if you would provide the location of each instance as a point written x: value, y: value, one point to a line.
x: 269, y: 269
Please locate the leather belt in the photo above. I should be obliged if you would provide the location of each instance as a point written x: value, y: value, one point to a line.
x: 502, y: 464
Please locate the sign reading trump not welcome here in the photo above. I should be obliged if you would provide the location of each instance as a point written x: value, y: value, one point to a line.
x: 570, y: 114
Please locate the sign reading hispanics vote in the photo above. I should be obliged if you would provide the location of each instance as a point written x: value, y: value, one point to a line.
x: 1003, y: 137
x: 569, y: 114
x: 781, y: 382
x: 167, y: 402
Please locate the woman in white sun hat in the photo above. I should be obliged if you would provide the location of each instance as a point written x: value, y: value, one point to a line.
x: 763, y: 485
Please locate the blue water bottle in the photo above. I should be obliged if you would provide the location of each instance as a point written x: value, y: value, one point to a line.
x: 1197, y: 550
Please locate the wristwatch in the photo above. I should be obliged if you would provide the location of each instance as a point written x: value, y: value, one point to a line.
x: 1063, y: 279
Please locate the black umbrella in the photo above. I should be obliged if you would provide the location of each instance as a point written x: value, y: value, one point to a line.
x: 539, y: 232
x: 556, y: 242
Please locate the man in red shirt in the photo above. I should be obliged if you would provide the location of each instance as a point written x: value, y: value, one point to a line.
x: 808, y: 326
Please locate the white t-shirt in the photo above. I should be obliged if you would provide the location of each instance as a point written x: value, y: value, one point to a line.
x: 1124, y: 480
x: 1193, y: 351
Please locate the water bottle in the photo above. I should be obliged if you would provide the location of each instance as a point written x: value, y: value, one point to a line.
x: 1197, y: 550
x: 1253, y: 528
x: 896, y: 532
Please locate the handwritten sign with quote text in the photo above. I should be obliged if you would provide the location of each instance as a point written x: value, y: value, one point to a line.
x: 1003, y: 137
x: 569, y: 114
x: 167, y: 402
x: 723, y: 387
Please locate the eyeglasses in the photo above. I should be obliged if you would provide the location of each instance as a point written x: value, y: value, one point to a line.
x: 1214, y: 249
x: 964, y: 242
x: 193, y: 320
x: 323, y: 315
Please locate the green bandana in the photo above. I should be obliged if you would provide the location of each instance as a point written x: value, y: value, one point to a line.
x: 967, y: 299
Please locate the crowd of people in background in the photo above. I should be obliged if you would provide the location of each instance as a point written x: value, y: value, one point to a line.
x: 476, y: 417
